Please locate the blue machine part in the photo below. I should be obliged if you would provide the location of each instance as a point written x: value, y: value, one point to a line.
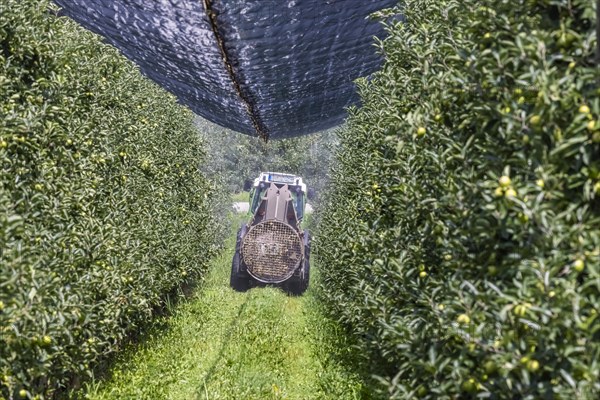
x: 272, y: 68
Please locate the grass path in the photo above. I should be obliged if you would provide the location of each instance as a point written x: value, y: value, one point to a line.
x: 221, y: 344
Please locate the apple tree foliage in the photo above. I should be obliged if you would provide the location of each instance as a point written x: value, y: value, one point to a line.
x: 103, y: 209
x: 460, y: 240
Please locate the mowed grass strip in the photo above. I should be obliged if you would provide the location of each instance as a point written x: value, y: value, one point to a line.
x: 221, y: 344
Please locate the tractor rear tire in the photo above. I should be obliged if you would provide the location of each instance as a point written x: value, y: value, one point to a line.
x: 297, y: 285
x: 239, y: 279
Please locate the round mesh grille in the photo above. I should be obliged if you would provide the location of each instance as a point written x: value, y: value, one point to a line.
x: 272, y: 250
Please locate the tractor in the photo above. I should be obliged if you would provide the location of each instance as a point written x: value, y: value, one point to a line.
x: 272, y: 249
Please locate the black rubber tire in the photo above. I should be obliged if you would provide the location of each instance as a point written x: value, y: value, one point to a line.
x: 306, y: 275
x: 239, y: 279
x: 297, y: 285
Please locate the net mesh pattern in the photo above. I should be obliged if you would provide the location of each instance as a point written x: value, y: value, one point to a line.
x: 289, y: 66
x: 272, y: 250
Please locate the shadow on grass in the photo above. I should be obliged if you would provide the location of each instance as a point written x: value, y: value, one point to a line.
x: 157, y: 325
x: 102, y: 371
x: 339, y: 352
x: 224, y: 343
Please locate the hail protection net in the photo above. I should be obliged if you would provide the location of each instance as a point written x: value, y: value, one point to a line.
x: 272, y: 250
x: 276, y: 68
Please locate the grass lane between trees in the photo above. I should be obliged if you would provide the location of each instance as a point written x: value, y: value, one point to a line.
x: 221, y: 344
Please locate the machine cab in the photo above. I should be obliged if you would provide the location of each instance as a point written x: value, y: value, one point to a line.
x: 295, y: 185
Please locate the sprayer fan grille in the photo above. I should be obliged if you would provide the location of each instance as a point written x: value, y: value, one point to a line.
x: 272, y: 250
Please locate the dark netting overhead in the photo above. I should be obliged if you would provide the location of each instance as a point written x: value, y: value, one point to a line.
x: 278, y: 68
